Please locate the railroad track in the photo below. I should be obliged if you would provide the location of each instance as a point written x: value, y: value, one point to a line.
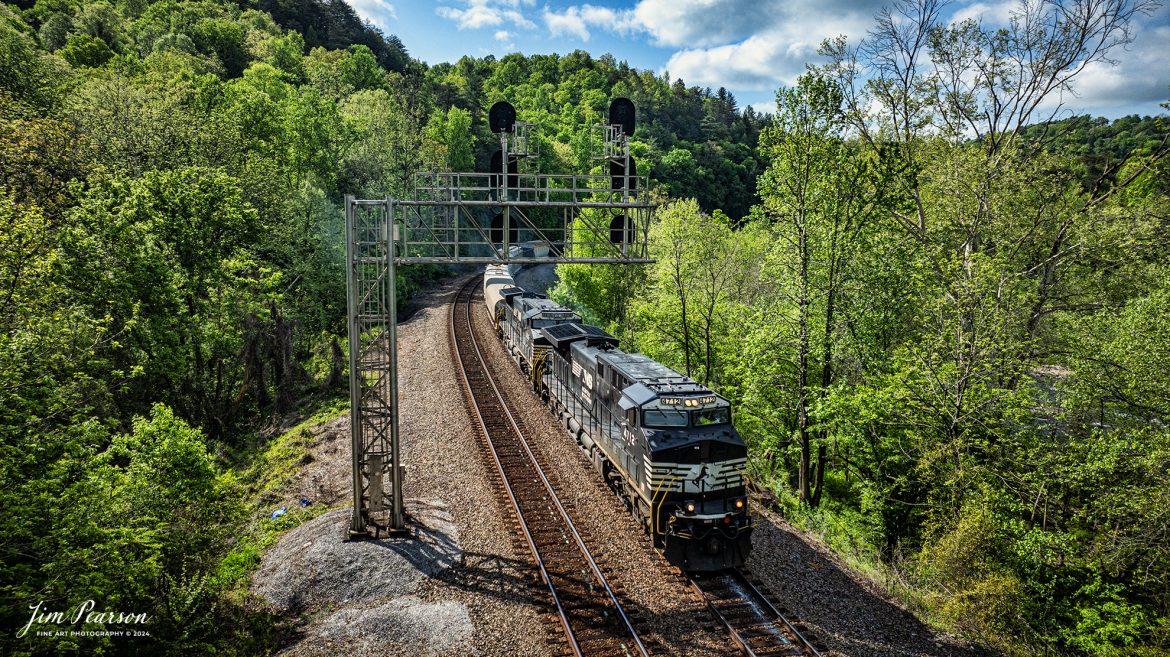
x: 589, y: 611
x: 754, y: 623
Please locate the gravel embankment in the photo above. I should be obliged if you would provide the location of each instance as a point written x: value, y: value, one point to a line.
x: 443, y: 460
x: 393, y: 607
x: 314, y: 567
x: 848, y: 613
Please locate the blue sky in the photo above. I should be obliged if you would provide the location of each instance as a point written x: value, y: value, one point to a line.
x: 749, y: 46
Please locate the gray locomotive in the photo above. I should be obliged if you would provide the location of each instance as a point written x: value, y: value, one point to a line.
x: 662, y: 441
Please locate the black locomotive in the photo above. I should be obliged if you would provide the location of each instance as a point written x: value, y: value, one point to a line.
x: 662, y: 441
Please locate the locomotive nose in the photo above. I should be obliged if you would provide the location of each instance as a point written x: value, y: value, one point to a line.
x: 712, y: 545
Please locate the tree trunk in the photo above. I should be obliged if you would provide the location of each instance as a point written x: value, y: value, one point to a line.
x: 686, y: 329
x: 826, y: 380
x: 802, y: 372
x: 337, y: 367
x: 820, y: 477
x: 707, y: 344
x: 827, y: 340
x: 281, y: 353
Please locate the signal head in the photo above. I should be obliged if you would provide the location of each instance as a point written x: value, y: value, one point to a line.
x: 501, y: 117
x: 621, y: 112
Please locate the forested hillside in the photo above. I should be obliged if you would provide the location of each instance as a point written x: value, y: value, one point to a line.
x: 696, y: 142
x: 170, y: 268
x: 945, y: 340
x: 944, y: 328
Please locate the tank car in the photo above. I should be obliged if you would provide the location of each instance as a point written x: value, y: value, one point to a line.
x: 662, y: 441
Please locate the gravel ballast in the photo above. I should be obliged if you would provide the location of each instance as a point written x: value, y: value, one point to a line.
x: 847, y: 613
x: 403, y: 626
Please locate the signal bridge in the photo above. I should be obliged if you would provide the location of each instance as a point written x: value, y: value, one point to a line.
x: 470, y: 218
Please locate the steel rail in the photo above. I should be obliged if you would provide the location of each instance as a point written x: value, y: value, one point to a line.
x: 759, y: 595
x: 792, y: 642
x: 469, y: 290
x: 507, y: 486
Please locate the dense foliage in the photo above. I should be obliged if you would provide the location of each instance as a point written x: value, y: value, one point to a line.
x: 694, y: 141
x: 943, y: 328
x: 170, y: 265
x: 945, y: 339
x: 171, y: 176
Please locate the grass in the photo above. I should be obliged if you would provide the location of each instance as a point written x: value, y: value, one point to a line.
x: 841, y: 524
x: 258, y: 481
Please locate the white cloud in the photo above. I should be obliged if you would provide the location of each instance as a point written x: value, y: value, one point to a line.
x: 775, y: 54
x: 622, y: 22
x: 518, y: 18
x: 505, y: 39
x: 576, y: 21
x: 756, y: 63
x: 486, y: 13
x: 568, y: 23
x: 758, y: 45
x: 746, y: 44
x: 993, y: 14
x: 472, y: 17
x: 378, y: 12
x: 1136, y: 84
x: 694, y: 23
x: 765, y: 107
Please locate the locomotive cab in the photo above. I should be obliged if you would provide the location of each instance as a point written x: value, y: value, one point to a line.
x: 694, y: 462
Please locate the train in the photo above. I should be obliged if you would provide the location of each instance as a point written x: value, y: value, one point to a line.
x: 663, y: 442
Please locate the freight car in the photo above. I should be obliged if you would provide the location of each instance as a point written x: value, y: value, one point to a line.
x: 663, y: 442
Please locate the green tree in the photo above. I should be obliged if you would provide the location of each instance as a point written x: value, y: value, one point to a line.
x: 359, y: 69
x: 457, y: 137
x: 86, y: 50
x: 815, y: 198
x: 702, y: 270
x: 155, y: 256
x: 27, y: 74
x: 389, y: 147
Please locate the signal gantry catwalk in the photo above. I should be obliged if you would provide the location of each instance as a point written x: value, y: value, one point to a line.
x: 471, y: 218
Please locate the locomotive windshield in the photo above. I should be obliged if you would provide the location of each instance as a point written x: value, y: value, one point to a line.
x: 669, y: 417
x: 656, y: 418
x: 710, y: 416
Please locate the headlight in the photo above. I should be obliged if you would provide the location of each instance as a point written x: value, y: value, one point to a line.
x: 689, y: 506
x: 739, y: 504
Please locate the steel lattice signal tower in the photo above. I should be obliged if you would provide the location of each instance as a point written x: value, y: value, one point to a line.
x: 468, y: 218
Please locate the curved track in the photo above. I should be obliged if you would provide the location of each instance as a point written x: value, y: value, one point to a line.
x: 589, y: 611
x: 754, y: 623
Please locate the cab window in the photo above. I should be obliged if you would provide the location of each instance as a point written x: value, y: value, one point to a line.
x: 710, y: 416
x: 664, y: 418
